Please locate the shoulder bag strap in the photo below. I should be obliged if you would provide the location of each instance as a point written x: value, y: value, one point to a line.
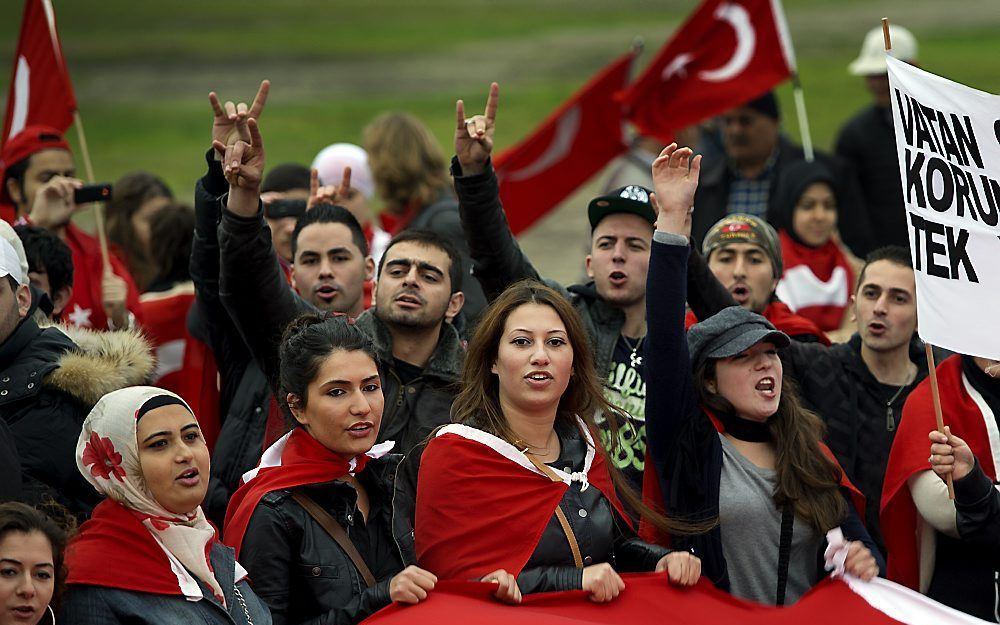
x: 785, y: 550
x: 574, y: 547
x: 336, y: 532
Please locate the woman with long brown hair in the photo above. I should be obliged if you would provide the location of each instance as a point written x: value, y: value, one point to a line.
x: 515, y: 487
x: 733, y: 441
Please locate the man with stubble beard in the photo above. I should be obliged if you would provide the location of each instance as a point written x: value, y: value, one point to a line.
x: 612, y: 304
x: 420, y: 353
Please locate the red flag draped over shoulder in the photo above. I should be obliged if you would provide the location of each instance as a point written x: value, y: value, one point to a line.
x: 482, y: 506
x: 40, y: 88
x: 725, y: 54
x: 964, y: 415
x: 569, y: 147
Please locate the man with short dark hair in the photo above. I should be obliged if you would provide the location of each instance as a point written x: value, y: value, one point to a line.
x: 330, y: 260
x: 50, y: 265
x: 419, y: 350
x: 39, y: 179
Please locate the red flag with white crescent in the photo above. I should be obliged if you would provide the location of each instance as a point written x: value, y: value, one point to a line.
x: 40, y: 88
x: 569, y: 147
x: 727, y: 53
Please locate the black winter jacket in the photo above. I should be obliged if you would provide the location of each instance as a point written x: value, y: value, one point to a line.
x: 712, y: 197
x: 300, y: 571
x: 261, y: 303
x: 245, y: 395
x: 683, y: 445
x: 49, y: 380
x: 868, y: 140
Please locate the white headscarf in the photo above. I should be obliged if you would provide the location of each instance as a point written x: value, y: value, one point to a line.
x: 107, y: 455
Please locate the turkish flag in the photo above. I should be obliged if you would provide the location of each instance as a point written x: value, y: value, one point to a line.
x: 648, y: 599
x: 726, y: 54
x: 40, y: 89
x: 573, y: 144
x: 184, y: 365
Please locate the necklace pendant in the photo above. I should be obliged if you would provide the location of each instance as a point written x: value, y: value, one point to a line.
x: 890, y: 419
x: 635, y: 360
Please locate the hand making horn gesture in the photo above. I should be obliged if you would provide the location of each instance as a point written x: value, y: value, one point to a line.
x: 328, y: 194
x: 225, y: 127
x: 474, y: 135
x: 675, y: 180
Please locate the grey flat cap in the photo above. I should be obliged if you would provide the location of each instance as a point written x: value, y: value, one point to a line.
x: 729, y: 332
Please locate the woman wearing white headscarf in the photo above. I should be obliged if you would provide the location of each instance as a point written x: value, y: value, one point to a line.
x: 148, y: 554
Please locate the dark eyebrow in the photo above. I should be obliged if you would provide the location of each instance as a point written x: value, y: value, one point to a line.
x: 166, y: 433
x: 373, y: 376
x: 553, y: 331
x: 339, y: 250
x: 19, y: 563
x: 407, y: 262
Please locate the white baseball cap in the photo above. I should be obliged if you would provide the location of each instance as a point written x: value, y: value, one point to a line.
x: 871, y: 61
x: 332, y: 159
x: 13, y: 260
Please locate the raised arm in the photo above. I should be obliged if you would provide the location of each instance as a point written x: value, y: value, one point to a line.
x: 497, y: 258
x: 251, y: 284
x: 670, y: 397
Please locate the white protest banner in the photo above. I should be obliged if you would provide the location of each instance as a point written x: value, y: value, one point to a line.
x: 948, y: 143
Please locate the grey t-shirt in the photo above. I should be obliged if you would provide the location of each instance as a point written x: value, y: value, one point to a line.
x: 751, y: 533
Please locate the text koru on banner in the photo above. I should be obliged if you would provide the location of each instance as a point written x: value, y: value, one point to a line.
x: 948, y: 144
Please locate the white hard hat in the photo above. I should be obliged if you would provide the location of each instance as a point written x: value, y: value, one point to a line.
x: 872, y: 58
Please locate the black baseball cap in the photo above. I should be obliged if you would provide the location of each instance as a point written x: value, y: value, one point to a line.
x: 629, y: 199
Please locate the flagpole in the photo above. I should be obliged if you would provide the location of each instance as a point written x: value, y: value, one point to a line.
x: 102, y: 235
x: 800, y: 110
x: 928, y: 349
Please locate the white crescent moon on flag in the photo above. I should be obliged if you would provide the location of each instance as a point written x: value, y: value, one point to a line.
x: 746, y: 40
x: 562, y: 142
x: 21, y: 87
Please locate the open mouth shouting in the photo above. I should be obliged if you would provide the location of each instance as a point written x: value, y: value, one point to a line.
x: 326, y: 292
x: 741, y: 293
x: 877, y: 328
x: 618, y: 278
x: 767, y: 387
x: 189, y: 477
x: 361, y: 429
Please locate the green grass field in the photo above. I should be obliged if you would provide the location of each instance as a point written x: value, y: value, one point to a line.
x: 142, y: 71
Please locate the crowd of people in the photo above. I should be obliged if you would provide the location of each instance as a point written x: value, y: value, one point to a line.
x: 273, y: 405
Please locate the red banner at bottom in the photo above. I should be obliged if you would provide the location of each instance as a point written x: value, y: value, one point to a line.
x: 649, y: 598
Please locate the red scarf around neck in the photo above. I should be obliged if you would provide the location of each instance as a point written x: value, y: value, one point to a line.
x: 822, y: 262
x: 115, y: 550
x: 303, y: 461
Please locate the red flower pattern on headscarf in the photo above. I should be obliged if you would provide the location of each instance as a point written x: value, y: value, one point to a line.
x: 103, y: 460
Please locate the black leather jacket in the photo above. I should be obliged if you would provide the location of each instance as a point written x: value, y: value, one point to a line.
x: 600, y: 532
x: 298, y: 569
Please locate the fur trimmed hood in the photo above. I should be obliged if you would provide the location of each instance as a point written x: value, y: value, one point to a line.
x: 101, y: 363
